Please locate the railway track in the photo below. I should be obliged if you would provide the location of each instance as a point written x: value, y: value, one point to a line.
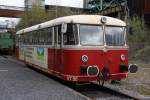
x: 94, y: 92
x: 91, y: 90
x: 4, y: 56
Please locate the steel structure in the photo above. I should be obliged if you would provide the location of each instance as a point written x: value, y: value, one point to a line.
x: 140, y: 8
x: 108, y: 7
x: 11, y: 11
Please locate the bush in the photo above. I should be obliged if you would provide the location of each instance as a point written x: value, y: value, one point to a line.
x: 136, y: 29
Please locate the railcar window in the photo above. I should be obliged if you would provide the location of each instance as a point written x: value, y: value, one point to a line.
x: 49, y: 36
x: 44, y: 33
x: 25, y: 37
x: 91, y: 35
x: 30, y: 37
x: 41, y: 37
x: 115, y: 36
x: 34, y: 37
x: 71, y: 36
x: 55, y: 35
x: 59, y: 34
x: 16, y: 39
x: 46, y: 36
x: 19, y: 39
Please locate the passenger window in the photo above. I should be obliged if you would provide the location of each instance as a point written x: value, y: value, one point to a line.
x: 59, y: 34
x: 30, y: 38
x: 41, y: 37
x: 71, y: 36
x: 55, y: 35
x: 34, y: 37
x: 45, y: 35
x: 23, y: 38
x: 49, y: 36
x: 38, y: 38
x: 26, y: 37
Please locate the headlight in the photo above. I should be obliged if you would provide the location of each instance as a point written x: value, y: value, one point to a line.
x: 123, y: 57
x: 84, y: 58
x: 92, y: 71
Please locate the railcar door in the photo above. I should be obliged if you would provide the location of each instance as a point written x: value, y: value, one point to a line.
x: 57, y: 50
x: 51, y: 50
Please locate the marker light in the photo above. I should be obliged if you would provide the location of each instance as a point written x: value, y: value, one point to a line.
x: 84, y: 58
x: 122, y: 57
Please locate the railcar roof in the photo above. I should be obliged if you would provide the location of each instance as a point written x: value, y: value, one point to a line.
x: 82, y: 19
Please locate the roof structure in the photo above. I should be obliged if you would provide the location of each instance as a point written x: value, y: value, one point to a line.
x: 82, y: 19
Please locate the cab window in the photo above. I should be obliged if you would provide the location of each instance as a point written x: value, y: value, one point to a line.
x: 71, y: 35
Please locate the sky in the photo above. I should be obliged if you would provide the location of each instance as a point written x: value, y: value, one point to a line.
x: 20, y: 3
x: 70, y: 3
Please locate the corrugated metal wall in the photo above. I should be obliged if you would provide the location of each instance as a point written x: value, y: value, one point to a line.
x: 139, y: 7
x: 147, y: 7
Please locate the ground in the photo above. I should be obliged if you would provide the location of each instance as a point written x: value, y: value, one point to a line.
x: 18, y: 82
x: 137, y: 84
x: 140, y: 81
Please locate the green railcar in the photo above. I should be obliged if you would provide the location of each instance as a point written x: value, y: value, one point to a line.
x: 6, y: 43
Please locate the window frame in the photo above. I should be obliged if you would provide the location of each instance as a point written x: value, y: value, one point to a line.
x: 124, y: 35
x: 77, y: 36
x: 101, y: 25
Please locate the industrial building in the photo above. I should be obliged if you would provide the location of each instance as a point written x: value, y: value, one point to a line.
x: 116, y: 8
x: 140, y: 8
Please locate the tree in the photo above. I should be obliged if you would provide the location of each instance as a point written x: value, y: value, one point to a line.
x: 33, y: 16
x: 37, y: 15
x: 58, y: 11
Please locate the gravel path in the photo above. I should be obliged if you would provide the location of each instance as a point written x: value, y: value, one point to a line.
x: 17, y: 82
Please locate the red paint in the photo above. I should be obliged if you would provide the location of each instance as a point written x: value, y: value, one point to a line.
x: 68, y: 62
x: 17, y: 52
x: 63, y: 63
x: 51, y: 59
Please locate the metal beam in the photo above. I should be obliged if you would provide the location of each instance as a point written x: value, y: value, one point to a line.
x: 11, y: 11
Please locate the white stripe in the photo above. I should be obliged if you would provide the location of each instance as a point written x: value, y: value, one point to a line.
x: 3, y: 70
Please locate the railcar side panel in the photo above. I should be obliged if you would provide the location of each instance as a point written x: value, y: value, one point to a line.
x: 51, y: 60
x: 21, y: 53
x: 58, y: 65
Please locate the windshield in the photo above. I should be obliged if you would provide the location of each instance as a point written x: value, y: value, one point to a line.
x: 91, y: 35
x: 115, y: 36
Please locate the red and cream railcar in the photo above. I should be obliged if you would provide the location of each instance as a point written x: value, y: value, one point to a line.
x: 77, y: 48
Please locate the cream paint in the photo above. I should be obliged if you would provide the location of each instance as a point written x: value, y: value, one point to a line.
x: 82, y: 19
x: 21, y: 52
x: 29, y: 54
x: 43, y: 63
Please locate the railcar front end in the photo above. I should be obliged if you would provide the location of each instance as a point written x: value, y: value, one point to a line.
x: 100, y: 53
